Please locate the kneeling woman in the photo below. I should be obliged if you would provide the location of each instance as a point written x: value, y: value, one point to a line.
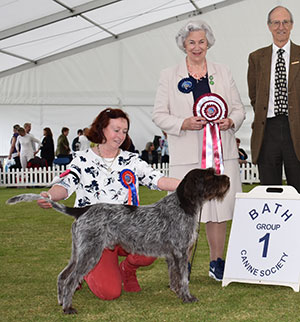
x: 103, y: 174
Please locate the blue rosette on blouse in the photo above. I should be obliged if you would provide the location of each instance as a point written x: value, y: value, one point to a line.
x: 128, y: 180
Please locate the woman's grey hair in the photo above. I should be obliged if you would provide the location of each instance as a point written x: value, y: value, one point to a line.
x: 184, y: 32
x: 270, y: 13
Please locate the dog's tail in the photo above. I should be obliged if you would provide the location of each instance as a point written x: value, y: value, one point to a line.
x: 27, y: 197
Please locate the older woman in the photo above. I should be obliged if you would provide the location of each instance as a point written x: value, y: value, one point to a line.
x: 103, y: 174
x: 180, y: 88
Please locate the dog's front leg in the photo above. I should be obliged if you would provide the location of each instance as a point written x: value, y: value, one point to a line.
x: 174, y: 276
x: 184, y: 292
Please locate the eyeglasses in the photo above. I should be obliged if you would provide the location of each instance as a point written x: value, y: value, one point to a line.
x: 277, y: 23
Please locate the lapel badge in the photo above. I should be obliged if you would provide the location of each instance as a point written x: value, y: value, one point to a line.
x: 186, y: 85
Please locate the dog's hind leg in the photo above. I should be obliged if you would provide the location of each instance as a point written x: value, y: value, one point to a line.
x: 87, y: 258
x: 64, y: 274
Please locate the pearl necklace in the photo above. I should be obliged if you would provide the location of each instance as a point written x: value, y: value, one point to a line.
x: 107, y: 164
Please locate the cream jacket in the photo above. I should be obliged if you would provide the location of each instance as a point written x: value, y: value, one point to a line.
x: 172, y: 107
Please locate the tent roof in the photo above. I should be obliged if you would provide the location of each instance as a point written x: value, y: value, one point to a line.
x: 35, y: 32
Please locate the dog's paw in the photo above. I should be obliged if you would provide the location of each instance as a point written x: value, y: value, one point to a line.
x: 190, y: 299
x: 70, y: 310
x: 174, y: 289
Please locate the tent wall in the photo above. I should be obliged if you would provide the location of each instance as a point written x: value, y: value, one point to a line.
x: 72, y: 91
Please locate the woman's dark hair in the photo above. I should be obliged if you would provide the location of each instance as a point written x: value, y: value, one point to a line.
x: 64, y: 129
x: 48, y: 131
x: 95, y: 133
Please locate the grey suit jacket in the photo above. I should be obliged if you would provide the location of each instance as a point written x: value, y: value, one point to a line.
x: 259, y: 73
x: 172, y: 107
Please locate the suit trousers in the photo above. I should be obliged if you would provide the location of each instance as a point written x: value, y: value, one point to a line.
x: 277, y: 151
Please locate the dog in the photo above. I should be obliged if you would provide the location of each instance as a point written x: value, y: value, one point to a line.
x: 164, y: 229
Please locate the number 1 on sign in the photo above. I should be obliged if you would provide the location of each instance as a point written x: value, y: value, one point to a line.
x: 265, y: 239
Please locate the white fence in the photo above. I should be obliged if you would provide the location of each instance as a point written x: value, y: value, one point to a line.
x: 30, y: 177
x: 43, y: 177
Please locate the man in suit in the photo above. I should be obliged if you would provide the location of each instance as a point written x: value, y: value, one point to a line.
x: 275, y: 139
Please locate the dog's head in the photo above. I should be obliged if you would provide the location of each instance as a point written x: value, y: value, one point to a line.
x: 200, y: 185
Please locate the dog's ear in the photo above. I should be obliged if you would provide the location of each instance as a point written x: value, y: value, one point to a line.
x: 187, y: 194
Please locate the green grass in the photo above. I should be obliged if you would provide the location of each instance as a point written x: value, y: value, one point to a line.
x: 35, y: 245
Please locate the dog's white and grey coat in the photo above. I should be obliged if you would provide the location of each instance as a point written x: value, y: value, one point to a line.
x: 164, y: 229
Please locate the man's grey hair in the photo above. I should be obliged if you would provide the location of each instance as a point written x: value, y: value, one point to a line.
x: 184, y: 32
x: 270, y: 13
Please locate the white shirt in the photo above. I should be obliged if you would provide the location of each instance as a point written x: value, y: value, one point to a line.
x: 27, y: 142
x: 84, y: 143
x: 286, y: 56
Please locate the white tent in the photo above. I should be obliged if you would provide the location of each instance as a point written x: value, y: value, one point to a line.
x: 70, y: 88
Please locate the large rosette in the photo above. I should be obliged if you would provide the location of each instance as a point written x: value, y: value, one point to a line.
x: 212, y: 107
x: 127, y: 178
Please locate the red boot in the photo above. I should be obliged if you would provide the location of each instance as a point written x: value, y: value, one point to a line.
x: 128, y: 275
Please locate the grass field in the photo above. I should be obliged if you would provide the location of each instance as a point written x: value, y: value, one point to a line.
x: 35, y: 245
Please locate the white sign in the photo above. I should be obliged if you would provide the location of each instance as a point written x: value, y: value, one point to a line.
x: 264, y: 243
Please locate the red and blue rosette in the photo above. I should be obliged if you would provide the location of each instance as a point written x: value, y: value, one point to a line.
x: 128, y: 180
x: 212, y: 107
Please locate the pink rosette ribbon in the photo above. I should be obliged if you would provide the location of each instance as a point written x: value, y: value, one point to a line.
x: 212, y: 107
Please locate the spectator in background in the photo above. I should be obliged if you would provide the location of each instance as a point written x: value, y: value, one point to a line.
x: 13, y: 153
x: 47, y: 148
x: 149, y: 154
x: 63, y: 148
x: 75, y: 143
x: 27, y: 128
x: 156, y: 141
x: 242, y: 154
x: 24, y: 145
x: 84, y: 143
x: 164, y: 148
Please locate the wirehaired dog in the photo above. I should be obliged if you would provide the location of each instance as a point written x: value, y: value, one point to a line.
x: 164, y: 229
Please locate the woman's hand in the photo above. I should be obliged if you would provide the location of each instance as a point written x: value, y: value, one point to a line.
x: 44, y: 203
x: 225, y: 124
x: 193, y: 123
x: 56, y: 193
